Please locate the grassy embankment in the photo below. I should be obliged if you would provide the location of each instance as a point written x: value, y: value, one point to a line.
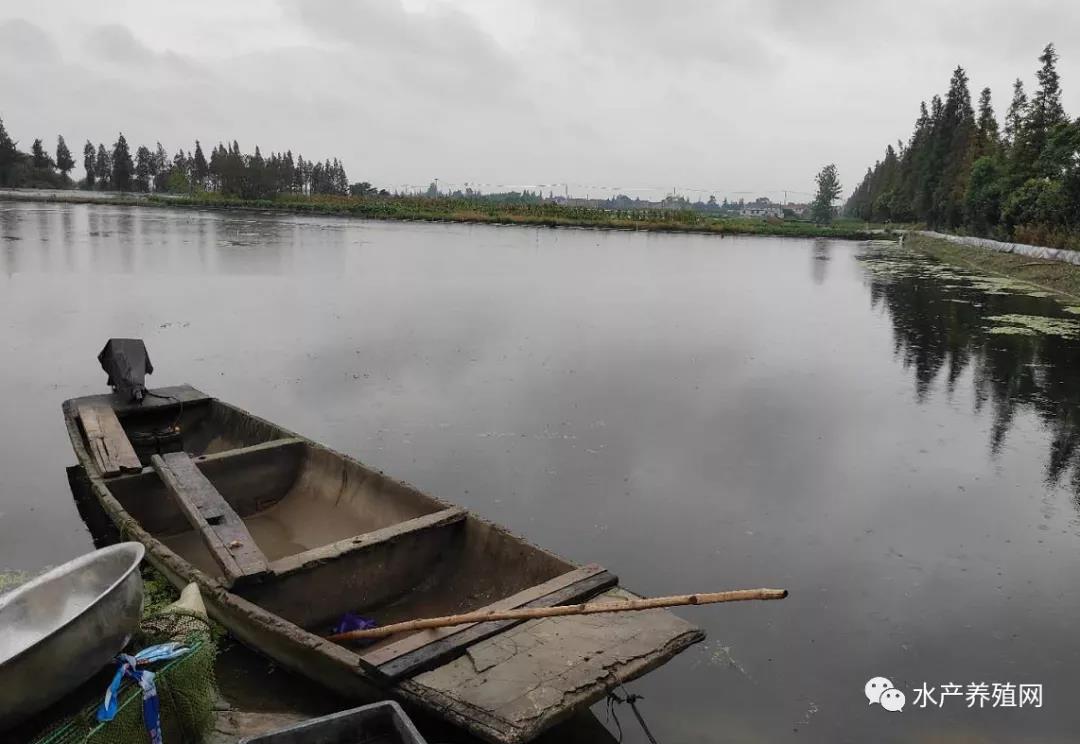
x: 1053, y: 276
x: 445, y: 209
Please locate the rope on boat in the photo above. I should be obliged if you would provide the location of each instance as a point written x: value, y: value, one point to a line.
x: 631, y: 698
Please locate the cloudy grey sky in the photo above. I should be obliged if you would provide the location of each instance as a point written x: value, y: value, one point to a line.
x: 724, y: 96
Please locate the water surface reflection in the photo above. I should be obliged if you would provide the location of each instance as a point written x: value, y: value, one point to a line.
x: 942, y: 332
x: 694, y: 413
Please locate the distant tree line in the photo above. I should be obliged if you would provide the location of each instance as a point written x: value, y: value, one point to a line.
x: 960, y: 171
x: 36, y: 169
x: 619, y: 202
x: 228, y: 171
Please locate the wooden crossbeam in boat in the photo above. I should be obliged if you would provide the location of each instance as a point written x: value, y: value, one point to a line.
x: 424, y: 649
x: 108, y: 443
x: 298, y: 563
x: 239, y: 454
x: 221, y: 529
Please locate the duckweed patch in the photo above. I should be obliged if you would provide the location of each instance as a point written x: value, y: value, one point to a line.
x: 894, y: 262
x: 1034, y: 324
x: 11, y: 579
x: 1012, y: 331
x: 1049, y: 276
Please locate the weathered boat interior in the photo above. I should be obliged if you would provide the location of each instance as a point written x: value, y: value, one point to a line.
x: 334, y: 535
x: 309, y: 535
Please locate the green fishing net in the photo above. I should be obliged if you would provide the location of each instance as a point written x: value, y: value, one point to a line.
x: 185, y: 687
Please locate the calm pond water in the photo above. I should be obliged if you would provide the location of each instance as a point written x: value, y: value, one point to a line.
x: 693, y: 412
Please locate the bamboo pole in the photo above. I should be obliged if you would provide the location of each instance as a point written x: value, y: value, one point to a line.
x: 528, y: 613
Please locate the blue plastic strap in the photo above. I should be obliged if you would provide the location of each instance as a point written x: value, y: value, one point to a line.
x: 145, y: 678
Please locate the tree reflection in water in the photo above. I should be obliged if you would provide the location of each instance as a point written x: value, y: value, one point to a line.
x: 940, y: 324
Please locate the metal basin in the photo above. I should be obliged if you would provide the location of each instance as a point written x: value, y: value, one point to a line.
x: 58, y: 630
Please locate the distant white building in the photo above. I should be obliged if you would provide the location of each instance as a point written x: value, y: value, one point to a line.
x: 761, y: 209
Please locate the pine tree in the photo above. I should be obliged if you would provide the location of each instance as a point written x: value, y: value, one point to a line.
x: 103, y: 168
x: 88, y: 163
x: 122, y: 167
x: 41, y: 159
x: 64, y: 161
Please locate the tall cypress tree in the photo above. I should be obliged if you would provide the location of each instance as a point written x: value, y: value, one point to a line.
x: 122, y: 166
x: 160, y: 168
x: 8, y: 157
x: 41, y: 159
x: 103, y: 168
x: 1017, y: 113
x: 956, y: 137
x: 143, y: 168
x: 64, y: 161
x: 958, y: 170
x: 987, y: 126
x: 930, y: 163
x: 88, y: 163
x: 1046, y: 105
x: 1043, y: 114
x: 199, y: 167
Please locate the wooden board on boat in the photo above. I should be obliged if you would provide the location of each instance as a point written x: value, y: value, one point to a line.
x: 109, y: 444
x: 224, y: 533
x: 426, y: 649
x: 332, y: 536
x: 517, y: 683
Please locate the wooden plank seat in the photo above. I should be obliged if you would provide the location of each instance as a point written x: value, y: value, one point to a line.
x: 219, y: 526
x: 110, y: 446
x: 429, y: 648
x: 371, y: 567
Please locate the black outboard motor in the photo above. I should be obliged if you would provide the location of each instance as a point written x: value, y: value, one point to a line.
x: 126, y: 362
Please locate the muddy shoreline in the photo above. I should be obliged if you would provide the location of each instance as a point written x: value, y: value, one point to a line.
x: 1051, y: 275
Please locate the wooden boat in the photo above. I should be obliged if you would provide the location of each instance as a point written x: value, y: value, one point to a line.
x: 285, y: 536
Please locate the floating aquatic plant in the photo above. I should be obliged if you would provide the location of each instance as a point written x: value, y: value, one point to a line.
x: 11, y: 579
x: 1063, y: 327
x: 1012, y: 331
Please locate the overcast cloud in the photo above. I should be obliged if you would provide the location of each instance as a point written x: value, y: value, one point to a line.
x: 735, y: 98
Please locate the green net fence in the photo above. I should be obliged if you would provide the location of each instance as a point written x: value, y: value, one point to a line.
x: 185, y: 687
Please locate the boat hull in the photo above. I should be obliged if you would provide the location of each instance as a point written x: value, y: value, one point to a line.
x: 271, y: 618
